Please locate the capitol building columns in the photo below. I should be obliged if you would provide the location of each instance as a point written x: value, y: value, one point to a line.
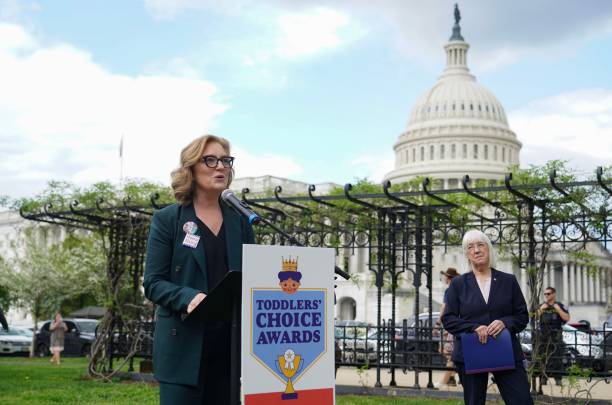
x: 575, y: 282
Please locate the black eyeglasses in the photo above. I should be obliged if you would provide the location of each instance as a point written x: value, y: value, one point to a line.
x: 212, y: 161
x: 548, y: 293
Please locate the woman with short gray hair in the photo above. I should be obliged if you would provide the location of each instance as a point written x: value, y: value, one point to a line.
x: 486, y: 301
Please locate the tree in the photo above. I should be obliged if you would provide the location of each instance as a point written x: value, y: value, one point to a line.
x: 42, y: 276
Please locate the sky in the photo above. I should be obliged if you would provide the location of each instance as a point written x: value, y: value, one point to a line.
x: 311, y: 90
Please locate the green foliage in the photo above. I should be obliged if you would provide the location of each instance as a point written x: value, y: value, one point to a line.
x: 5, y: 295
x: 43, y: 276
x: 34, y: 381
x: 60, y: 195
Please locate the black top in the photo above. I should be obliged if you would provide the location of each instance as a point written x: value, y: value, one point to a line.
x: 215, y: 251
x: 466, y: 308
x: 3, y: 320
x: 550, y: 319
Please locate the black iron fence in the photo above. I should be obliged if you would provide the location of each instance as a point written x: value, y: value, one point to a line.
x: 420, y: 347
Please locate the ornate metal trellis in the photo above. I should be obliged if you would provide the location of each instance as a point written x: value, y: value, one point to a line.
x: 399, y: 230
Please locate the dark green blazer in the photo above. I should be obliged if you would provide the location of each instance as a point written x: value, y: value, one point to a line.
x: 174, y: 274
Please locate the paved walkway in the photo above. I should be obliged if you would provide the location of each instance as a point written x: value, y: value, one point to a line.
x: 352, y: 377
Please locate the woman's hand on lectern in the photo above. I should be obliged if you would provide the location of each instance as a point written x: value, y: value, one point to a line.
x: 195, y: 302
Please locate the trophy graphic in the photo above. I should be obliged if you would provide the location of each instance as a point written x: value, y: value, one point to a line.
x: 289, y: 364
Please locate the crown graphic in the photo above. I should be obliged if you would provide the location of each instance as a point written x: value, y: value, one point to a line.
x: 290, y: 264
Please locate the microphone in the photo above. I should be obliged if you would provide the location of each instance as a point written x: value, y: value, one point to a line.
x: 230, y: 199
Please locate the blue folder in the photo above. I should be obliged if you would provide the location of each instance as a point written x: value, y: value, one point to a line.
x: 495, y: 355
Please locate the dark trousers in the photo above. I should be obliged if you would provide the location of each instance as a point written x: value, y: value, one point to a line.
x: 513, y: 386
x: 214, y: 381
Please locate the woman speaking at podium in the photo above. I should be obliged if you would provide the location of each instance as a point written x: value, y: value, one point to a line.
x: 486, y: 301
x: 192, y: 244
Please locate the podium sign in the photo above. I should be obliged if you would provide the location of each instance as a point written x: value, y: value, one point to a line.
x: 287, y: 325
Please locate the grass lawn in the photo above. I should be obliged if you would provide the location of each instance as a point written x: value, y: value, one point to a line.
x: 36, y: 381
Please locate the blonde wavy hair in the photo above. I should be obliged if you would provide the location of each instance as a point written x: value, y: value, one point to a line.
x: 191, y: 155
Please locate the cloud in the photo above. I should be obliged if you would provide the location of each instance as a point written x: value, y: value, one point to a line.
x: 62, y: 116
x: 305, y: 34
x: 373, y: 166
x: 504, y: 31
x: 278, y: 31
x: 171, y: 9
x: 250, y: 165
x: 575, y: 125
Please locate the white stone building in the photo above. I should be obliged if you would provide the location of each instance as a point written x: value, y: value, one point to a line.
x: 12, y: 243
x: 455, y: 128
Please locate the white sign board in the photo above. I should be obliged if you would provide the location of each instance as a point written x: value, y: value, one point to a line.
x: 287, y: 325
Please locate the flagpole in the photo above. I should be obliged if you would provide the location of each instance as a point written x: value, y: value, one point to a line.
x: 121, y: 161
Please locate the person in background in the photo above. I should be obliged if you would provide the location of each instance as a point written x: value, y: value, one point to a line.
x: 553, y: 315
x: 58, y: 329
x: 3, y: 321
x: 446, y: 343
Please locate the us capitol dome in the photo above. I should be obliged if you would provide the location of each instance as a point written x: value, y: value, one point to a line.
x: 455, y: 128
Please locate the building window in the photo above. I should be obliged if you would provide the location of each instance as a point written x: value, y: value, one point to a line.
x: 414, y: 154
x: 486, y: 152
x: 503, y: 154
x: 431, y: 152
x: 453, y: 151
x: 475, y: 151
x: 422, y: 153
x: 406, y: 156
x: 495, y: 152
x: 464, y: 154
x: 441, y: 151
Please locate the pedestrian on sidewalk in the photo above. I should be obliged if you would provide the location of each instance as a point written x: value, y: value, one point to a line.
x: 58, y: 328
x: 447, y: 341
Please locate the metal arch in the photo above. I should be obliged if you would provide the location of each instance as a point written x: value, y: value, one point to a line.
x: 553, y: 183
x: 53, y: 215
x: 275, y: 211
x: 73, y: 204
x: 466, y: 179
x: 508, y: 179
x: 153, y: 199
x: 599, y: 173
x: 348, y: 187
x: 312, y: 188
x: 386, y: 185
x: 425, y: 184
x: 279, y: 189
x: 126, y: 201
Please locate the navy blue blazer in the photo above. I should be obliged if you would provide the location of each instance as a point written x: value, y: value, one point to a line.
x: 466, y: 308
